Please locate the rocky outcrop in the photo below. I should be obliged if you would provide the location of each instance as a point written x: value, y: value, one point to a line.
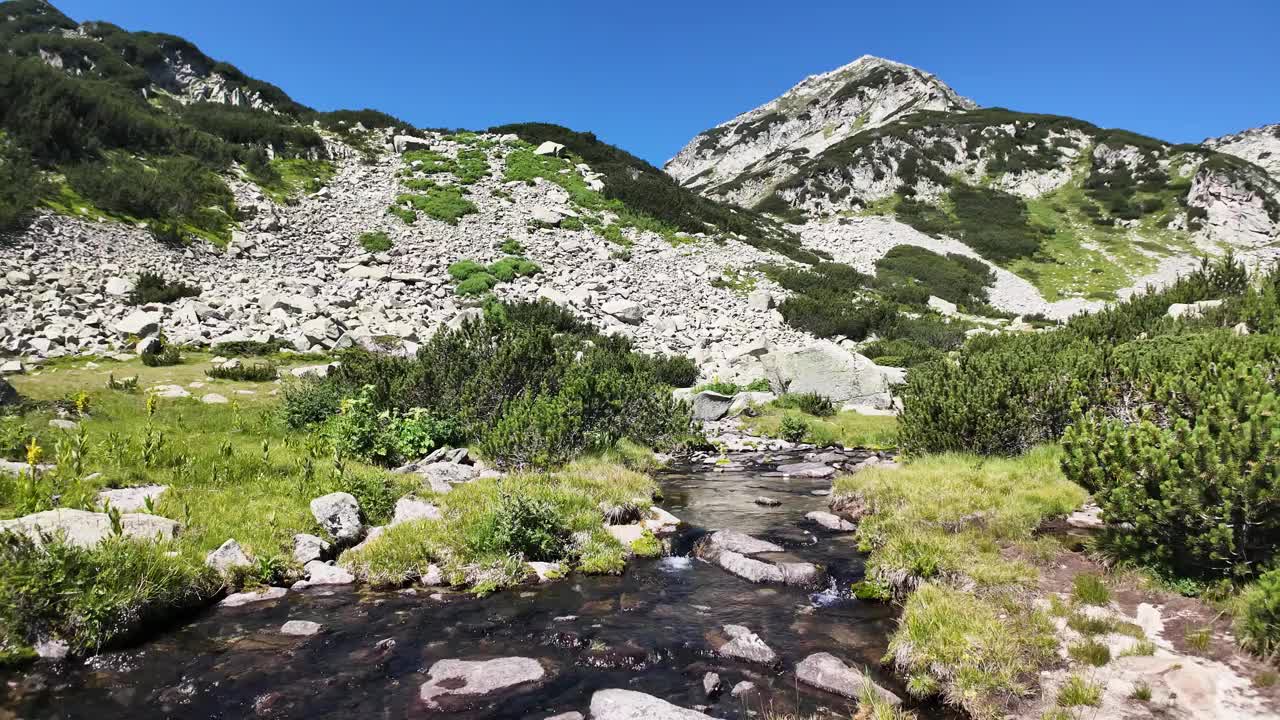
x: 87, y: 529
x: 1260, y: 146
x: 339, y: 514
x: 828, y: 369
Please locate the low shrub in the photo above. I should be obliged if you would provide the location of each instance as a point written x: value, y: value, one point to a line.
x: 153, y: 288
x: 375, y: 242
x: 248, y: 348
x: 1257, y: 612
x: 252, y: 372
x: 446, y: 204
x: 167, y: 355
x: 361, y: 430
x: 793, y: 429
x: 956, y: 278
x: 676, y: 371
x: 529, y: 385
x: 808, y: 403
x: 510, y: 268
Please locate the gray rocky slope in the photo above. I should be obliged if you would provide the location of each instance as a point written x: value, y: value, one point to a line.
x: 296, y: 273
x: 1260, y: 146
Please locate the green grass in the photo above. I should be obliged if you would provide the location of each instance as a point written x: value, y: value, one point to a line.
x: 441, y: 203
x: 849, y: 429
x: 1090, y: 652
x: 1077, y: 691
x: 1141, y: 691
x: 1090, y: 590
x: 943, y: 523
x: 235, y: 470
x: 467, y: 544
x: 375, y: 242
x: 296, y: 176
x: 974, y: 651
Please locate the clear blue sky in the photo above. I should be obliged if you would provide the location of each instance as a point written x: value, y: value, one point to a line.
x: 649, y: 75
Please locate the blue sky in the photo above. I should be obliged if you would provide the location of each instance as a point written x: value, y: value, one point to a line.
x: 648, y: 76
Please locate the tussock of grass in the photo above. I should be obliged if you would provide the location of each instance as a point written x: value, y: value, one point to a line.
x: 939, y: 524
x: 1077, y: 691
x: 1090, y: 590
x: 474, y: 546
x: 848, y: 429
x: 974, y: 651
x: 1090, y: 652
x: 949, y: 515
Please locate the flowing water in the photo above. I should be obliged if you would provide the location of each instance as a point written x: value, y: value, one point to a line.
x: 646, y: 630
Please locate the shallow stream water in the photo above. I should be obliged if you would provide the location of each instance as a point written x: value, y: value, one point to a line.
x: 646, y: 630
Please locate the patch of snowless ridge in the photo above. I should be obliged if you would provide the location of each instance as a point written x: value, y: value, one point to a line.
x: 860, y: 242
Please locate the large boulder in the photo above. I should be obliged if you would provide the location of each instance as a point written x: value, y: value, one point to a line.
x: 549, y: 147
x: 828, y: 672
x: 828, y: 369
x: 131, y: 499
x: 87, y: 529
x: 734, y: 541
x: 227, y: 558
x: 711, y: 406
x: 632, y: 705
x: 627, y: 311
x: 140, y: 323
x: 339, y: 514
x: 458, y: 684
x: 8, y: 396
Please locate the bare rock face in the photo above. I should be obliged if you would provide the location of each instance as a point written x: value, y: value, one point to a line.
x: 459, y: 684
x: 86, y: 529
x: 1260, y: 146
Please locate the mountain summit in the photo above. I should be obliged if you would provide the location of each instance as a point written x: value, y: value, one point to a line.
x: 742, y: 159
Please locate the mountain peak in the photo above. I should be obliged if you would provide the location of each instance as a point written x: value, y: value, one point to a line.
x: 741, y: 159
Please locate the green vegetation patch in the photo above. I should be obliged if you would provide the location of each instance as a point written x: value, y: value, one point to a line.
x: 844, y: 429
x: 446, y: 204
x: 375, y: 242
x: 285, y: 178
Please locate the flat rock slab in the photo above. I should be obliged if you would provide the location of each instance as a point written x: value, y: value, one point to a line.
x: 828, y: 672
x: 408, y: 508
x: 740, y: 543
x: 831, y: 521
x: 807, y: 470
x: 631, y: 705
x: 247, y: 598
x: 86, y: 529
x: 131, y: 499
x: 457, y: 684
x: 301, y: 628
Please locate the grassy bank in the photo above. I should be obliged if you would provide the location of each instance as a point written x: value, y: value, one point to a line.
x: 952, y: 536
x: 849, y: 429
x: 237, y: 469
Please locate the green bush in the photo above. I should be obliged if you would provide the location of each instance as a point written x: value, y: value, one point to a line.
x: 1180, y: 449
x: 442, y: 203
x: 362, y: 430
x: 677, y: 371
x: 175, y: 193
x: 248, y: 348
x: 956, y: 278
x: 310, y: 401
x: 464, y: 269
x: 793, y: 429
x: 21, y: 187
x: 252, y: 372
x: 476, y: 285
x: 510, y: 268
x: 529, y: 385
x: 375, y: 242
x: 95, y: 598
x: 1257, y: 621
x: 528, y: 526
x: 809, y: 403
x: 167, y: 355
x: 153, y: 288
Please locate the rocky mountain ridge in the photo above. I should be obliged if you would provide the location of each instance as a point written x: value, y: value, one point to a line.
x: 1081, y: 213
x: 739, y: 160
x: 1260, y: 146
